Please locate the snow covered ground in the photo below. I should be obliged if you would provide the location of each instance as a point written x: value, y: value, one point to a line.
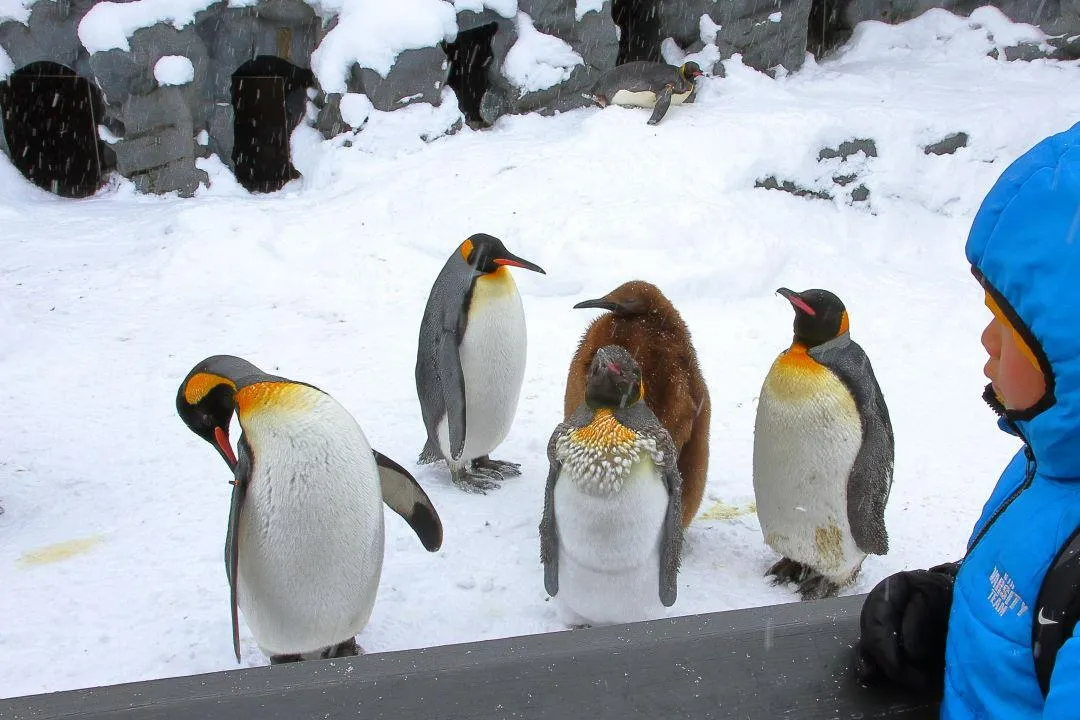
x: 111, y: 544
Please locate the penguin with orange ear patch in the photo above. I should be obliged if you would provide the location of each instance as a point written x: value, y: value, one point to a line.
x: 823, y: 452
x: 470, y: 361
x: 642, y: 320
x: 304, y: 545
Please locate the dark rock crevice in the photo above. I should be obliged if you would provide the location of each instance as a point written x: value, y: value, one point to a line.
x: 269, y: 97
x: 470, y: 59
x: 50, y: 117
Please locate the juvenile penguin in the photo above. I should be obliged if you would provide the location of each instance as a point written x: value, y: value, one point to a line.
x: 823, y: 452
x: 610, y: 537
x: 647, y: 84
x: 642, y: 320
x: 304, y: 544
x: 470, y: 361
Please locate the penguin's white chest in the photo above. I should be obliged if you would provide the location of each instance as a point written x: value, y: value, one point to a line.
x: 311, y: 529
x: 492, y: 355
x: 644, y: 98
x: 806, y: 437
x: 609, y: 546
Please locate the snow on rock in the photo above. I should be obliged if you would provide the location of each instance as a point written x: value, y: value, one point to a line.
x: 108, y: 25
x: 537, y: 60
x: 355, y: 109
x: 941, y: 33
x: 506, y: 8
x: 17, y: 10
x: 587, y: 6
x: 372, y: 33
x: 174, y: 70
x: 203, y: 138
x: 671, y: 52
x: 776, y: 16
x: 6, y: 65
x: 708, y: 28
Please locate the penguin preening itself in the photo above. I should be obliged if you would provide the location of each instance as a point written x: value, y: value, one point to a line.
x: 304, y: 545
x: 823, y: 452
x: 647, y: 84
x: 642, y: 320
x: 610, y: 536
x: 470, y: 361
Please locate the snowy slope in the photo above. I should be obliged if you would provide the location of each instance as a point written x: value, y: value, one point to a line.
x: 111, y: 543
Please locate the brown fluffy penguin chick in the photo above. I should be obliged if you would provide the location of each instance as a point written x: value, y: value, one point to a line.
x: 645, y: 322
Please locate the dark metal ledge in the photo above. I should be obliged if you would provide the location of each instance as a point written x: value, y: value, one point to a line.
x: 781, y: 661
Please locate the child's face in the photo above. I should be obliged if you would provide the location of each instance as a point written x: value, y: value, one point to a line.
x: 1015, y: 378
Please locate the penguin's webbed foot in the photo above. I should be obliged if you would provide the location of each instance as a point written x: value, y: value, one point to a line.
x: 348, y: 648
x: 476, y: 480
x: 786, y: 570
x: 286, y: 658
x: 818, y: 587
x: 502, y: 468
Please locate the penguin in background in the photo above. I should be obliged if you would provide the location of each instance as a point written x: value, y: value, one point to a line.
x: 470, y: 361
x: 647, y: 84
x: 610, y: 534
x: 642, y: 320
x: 823, y: 452
x: 304, y: 544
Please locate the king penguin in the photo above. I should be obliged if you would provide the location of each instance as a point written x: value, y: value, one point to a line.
x: 641, y: 319
x: 647, y: 84
x: 823, y: 452
x: 470, y: 361
x: 304, y: 544
x: 610, y: 534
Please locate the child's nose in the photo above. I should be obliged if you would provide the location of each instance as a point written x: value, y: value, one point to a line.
x: 991, y: 338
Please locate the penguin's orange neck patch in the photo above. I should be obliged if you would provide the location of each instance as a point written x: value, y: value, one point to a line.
x: 277, y: 396
x: 604, y: 431
x: 200, y: 385
x: 797, y: 358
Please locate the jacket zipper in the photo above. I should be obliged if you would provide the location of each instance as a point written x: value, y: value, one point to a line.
x: 1029, y: 476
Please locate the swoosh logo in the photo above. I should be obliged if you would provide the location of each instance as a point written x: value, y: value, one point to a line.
x: 1043, y: 620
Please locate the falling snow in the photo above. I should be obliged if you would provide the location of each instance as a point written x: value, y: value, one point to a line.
x: 111, y: 543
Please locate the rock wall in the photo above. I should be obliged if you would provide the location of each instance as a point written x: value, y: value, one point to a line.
x: 155, y: 127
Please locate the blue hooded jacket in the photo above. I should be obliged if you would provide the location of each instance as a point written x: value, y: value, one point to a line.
x: 1024, y: 246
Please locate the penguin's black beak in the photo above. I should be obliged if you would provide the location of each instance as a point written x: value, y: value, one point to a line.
x: 601, y: 303
x: 796, y: 301
x: 515, y: 261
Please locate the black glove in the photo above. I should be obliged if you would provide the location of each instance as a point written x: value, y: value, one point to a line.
x: 902, y: 629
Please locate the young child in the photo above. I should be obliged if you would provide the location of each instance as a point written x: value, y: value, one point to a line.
x: 967, y: 628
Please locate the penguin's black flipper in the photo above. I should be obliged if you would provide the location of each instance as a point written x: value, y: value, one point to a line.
x: 870, y: 481
x: 663, y: 102
x: 403, y: 495
x: 242, y: 477
x: 549, y: 537
x: 671, y: 542
x: 453, y: 386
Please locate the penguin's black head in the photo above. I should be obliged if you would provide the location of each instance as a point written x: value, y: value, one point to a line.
x: 488, y: 254
x: 206, y: 399
x: 614, y: 379
x: 690, y: 71
x: 820, y: 316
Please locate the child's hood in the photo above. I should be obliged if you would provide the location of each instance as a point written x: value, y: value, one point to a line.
x: 1024, y: 246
